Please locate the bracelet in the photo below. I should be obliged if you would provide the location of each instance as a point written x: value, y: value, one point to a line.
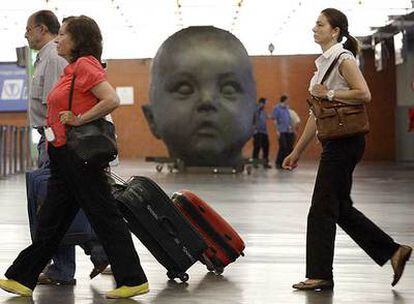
x: 79, y: 117
x: 330, y: 95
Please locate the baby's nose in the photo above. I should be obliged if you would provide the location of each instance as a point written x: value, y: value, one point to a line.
x: 208, y: 101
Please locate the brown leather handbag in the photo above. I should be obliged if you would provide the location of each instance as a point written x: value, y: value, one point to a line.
x: 335, y: 119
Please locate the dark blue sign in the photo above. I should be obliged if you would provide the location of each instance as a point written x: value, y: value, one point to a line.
x: 13, y: 88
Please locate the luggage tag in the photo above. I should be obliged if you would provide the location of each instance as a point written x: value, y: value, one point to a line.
x: 50, y: 136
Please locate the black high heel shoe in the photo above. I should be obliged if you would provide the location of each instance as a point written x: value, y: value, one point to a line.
x: 316, y: 286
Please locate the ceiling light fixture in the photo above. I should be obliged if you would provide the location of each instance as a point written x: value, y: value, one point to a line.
x: 180, y: 22
x: 236, y: 15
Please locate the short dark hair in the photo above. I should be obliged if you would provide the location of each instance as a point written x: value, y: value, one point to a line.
x: 283, y: 98
x: 262, y: 100
x: 48, y: 19
x: 86, y: 37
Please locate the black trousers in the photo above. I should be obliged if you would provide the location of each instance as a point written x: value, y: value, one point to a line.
x: 261, y: 142
x: 332, y: 204
x: 286, y: 142
x: 70, y: 187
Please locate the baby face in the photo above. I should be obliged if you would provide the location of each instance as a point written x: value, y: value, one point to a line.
x: 204, y: 102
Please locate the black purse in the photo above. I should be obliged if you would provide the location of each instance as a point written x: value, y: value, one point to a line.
x: 94, y: 143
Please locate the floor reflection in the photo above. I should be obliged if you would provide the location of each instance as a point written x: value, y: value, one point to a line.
x: 54, y: 294
x: 99, y: 298
x: 318, y: 297
x: 224, y: 291
x: 18, y: 300
x: 397, y: 297
x: 269, y: 209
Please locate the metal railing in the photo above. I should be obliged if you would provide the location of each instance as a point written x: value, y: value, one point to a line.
x: 15, y: 150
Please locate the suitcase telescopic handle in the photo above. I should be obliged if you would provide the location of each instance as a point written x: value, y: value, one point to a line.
x: 168, y: 226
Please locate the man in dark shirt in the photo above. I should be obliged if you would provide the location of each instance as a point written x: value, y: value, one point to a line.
x: 284, y: 130
x: 260, y: 137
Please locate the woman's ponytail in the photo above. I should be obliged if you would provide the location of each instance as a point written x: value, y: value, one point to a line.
x: 351, y: 44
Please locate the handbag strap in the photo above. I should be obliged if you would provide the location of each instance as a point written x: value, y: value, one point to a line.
x: 72, y: 85
x: 329, y: 70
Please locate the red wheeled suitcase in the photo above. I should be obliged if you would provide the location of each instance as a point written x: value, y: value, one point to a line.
x: 224, y: 243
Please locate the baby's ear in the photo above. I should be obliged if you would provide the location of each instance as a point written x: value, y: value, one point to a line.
x: 149, y: 116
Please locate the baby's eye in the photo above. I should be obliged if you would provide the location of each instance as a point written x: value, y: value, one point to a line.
x: 230, y: 88
x: 183, y: 89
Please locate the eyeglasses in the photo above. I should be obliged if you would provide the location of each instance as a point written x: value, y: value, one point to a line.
x: 30, y: 28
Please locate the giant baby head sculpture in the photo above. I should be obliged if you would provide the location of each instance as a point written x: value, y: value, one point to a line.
x: 202, y: 97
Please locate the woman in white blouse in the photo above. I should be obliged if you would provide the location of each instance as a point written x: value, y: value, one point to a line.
x: 331, y: 200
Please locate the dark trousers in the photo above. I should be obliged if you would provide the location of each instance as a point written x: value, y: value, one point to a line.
x: 70, y: 187
x: 64, y: 259
x: 286, y: 141
x: 261, y: 142
x: 332, y: 204
x: 64, y: 266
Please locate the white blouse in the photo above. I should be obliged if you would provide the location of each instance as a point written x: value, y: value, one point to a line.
x: 335, y: 81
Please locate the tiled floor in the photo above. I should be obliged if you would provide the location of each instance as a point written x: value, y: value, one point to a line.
x: 269, y: 210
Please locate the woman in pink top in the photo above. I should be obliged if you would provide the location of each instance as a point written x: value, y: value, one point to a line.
x: 72, y: 185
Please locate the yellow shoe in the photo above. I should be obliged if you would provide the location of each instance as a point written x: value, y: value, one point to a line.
x: 16, y: 288
x: 127, y: 291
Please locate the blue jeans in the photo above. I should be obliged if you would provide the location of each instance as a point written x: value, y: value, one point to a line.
x: 64, y: 266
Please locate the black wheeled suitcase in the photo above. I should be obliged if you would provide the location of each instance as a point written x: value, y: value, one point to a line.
x: 158, y: 224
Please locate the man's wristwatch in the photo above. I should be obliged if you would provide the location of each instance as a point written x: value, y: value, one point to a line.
x: 330, y: 95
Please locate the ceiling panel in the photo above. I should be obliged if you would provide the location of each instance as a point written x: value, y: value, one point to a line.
x: 136, y: 28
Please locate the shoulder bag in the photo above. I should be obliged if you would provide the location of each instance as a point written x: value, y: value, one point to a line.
x: 335, y: 119
x: 93, y: 143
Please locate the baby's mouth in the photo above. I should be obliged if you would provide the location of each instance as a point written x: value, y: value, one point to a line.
x: 206, y: 128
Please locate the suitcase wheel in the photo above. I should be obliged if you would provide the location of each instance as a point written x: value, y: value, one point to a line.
x: 210, y: 268
x: 217, y: 265
x: 218, y: 270
x: 206, y: 261
x: 182, y: 276
x: 171, y: 275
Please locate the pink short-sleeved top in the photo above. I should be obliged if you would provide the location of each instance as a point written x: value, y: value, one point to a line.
x: 89, y: 73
